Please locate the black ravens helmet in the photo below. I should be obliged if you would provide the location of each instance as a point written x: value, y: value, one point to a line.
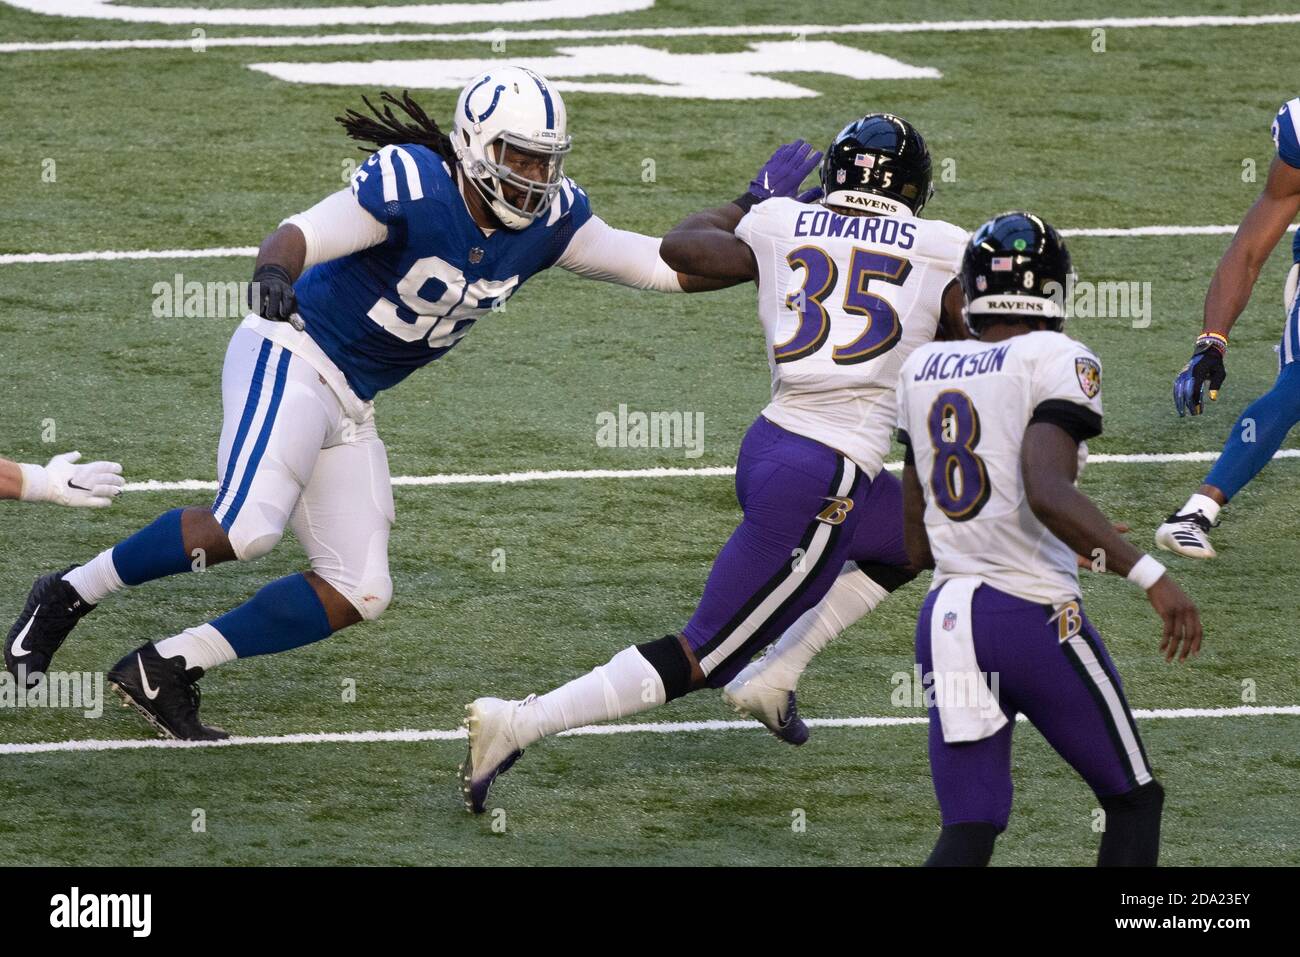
x: 1016, y: 269
x: 875, y: 163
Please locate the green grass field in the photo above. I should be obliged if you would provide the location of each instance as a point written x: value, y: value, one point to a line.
x: 174, y: 149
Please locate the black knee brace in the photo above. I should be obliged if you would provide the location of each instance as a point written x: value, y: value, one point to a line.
x: 1132, y: 835
x: 667, y: 657
x: 969, y: 844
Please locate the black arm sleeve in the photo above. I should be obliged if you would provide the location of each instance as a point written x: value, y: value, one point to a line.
x: 1076, y: 421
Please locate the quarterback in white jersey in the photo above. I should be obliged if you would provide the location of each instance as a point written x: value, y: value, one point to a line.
x: 994, y: 430
x: 846, y: 288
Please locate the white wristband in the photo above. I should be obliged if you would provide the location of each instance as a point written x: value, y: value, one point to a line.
x: 36, y: 483
x: 1146, y: 572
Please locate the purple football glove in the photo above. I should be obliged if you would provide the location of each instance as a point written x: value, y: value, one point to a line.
x: 782, y: 174
x: 810, y: 195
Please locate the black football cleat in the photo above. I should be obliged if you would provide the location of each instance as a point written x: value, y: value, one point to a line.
x: 164, y: 693
x: 53, y: 609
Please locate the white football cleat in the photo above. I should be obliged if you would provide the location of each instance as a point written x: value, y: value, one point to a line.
x: 492, y: 747
x: 776, y: 708
x: 1186, y: 535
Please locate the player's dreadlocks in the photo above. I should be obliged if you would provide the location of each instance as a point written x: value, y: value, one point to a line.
x: 385, y: 129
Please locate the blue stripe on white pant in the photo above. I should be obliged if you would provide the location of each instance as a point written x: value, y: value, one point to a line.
x: 256, y: 423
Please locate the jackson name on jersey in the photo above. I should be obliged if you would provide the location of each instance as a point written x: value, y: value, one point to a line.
x: 843, y: 301
x: 963, y: 408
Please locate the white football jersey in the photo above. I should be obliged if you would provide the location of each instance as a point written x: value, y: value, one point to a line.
x: 844, y: 300
x: 963, y: 408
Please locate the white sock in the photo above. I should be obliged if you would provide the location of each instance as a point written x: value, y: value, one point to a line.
x: 626, y: 685
x: 851, y: 597
x: 201, y: 646
x: 97, y: 579
x: 1203, y: 504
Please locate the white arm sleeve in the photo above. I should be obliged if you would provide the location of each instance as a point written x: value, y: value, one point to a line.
x: 599, y: 251
x: 337, y: 226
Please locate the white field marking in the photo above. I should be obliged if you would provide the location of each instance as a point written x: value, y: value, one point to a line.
x: 737, y: 75
x: 711, y: 471
x: 225, y: 252
x: 441, y: 14
x: 781, y: 30
x: 665, y: 727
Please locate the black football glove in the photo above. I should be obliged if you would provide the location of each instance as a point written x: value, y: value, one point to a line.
x: 1205, y: 368
x: 271, y: 294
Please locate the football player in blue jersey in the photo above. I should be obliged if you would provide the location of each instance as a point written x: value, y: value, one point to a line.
x: 350, y: 297
x: 1260, y: 430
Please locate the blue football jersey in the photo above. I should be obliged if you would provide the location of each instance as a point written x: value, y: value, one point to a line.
x: 383, y: 312
x: 1285, y: 126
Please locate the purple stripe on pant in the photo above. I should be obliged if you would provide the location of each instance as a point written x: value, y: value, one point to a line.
x: 784, y: 482
x: 1045, y: 679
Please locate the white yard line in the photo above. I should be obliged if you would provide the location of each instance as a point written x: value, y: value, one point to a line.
x: 772, y: 29
x: 709, y: 471
x: 226, y: 252
x: 665, y: 727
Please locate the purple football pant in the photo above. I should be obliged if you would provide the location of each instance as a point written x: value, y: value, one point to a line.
x: 808, y: 510
x: 1055, y: 672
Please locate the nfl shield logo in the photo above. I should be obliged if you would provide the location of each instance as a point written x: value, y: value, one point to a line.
x: 840, y: 176
x: 981, y: 283
x: 950, y: 621
x: 476, y: 255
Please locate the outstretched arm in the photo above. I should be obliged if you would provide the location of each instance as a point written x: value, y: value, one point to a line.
x: 1253, y: 243
x: 1049, y: 462
x: 599, y: 251
x: 1234, y: 278
x: 61, y: 480
x: 705, y: 244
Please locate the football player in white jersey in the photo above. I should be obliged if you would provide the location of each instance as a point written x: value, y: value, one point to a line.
x: 846, y: 289
x: 350, y: 297
x: 994, y: 431
x: 1260, y: 429
x: 62, y: 481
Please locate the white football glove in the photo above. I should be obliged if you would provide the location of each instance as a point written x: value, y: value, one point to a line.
x: 92, y: 485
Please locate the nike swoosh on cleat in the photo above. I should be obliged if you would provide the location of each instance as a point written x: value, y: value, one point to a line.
x: 149, y: 692
x: 17, y: 650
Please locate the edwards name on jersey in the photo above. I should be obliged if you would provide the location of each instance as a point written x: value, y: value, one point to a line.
x: 381, y: 313
x: 963, y: 408
x: 843, y: 300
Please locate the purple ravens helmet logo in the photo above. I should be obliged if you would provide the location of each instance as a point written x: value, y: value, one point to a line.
x: 1089, y: 373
